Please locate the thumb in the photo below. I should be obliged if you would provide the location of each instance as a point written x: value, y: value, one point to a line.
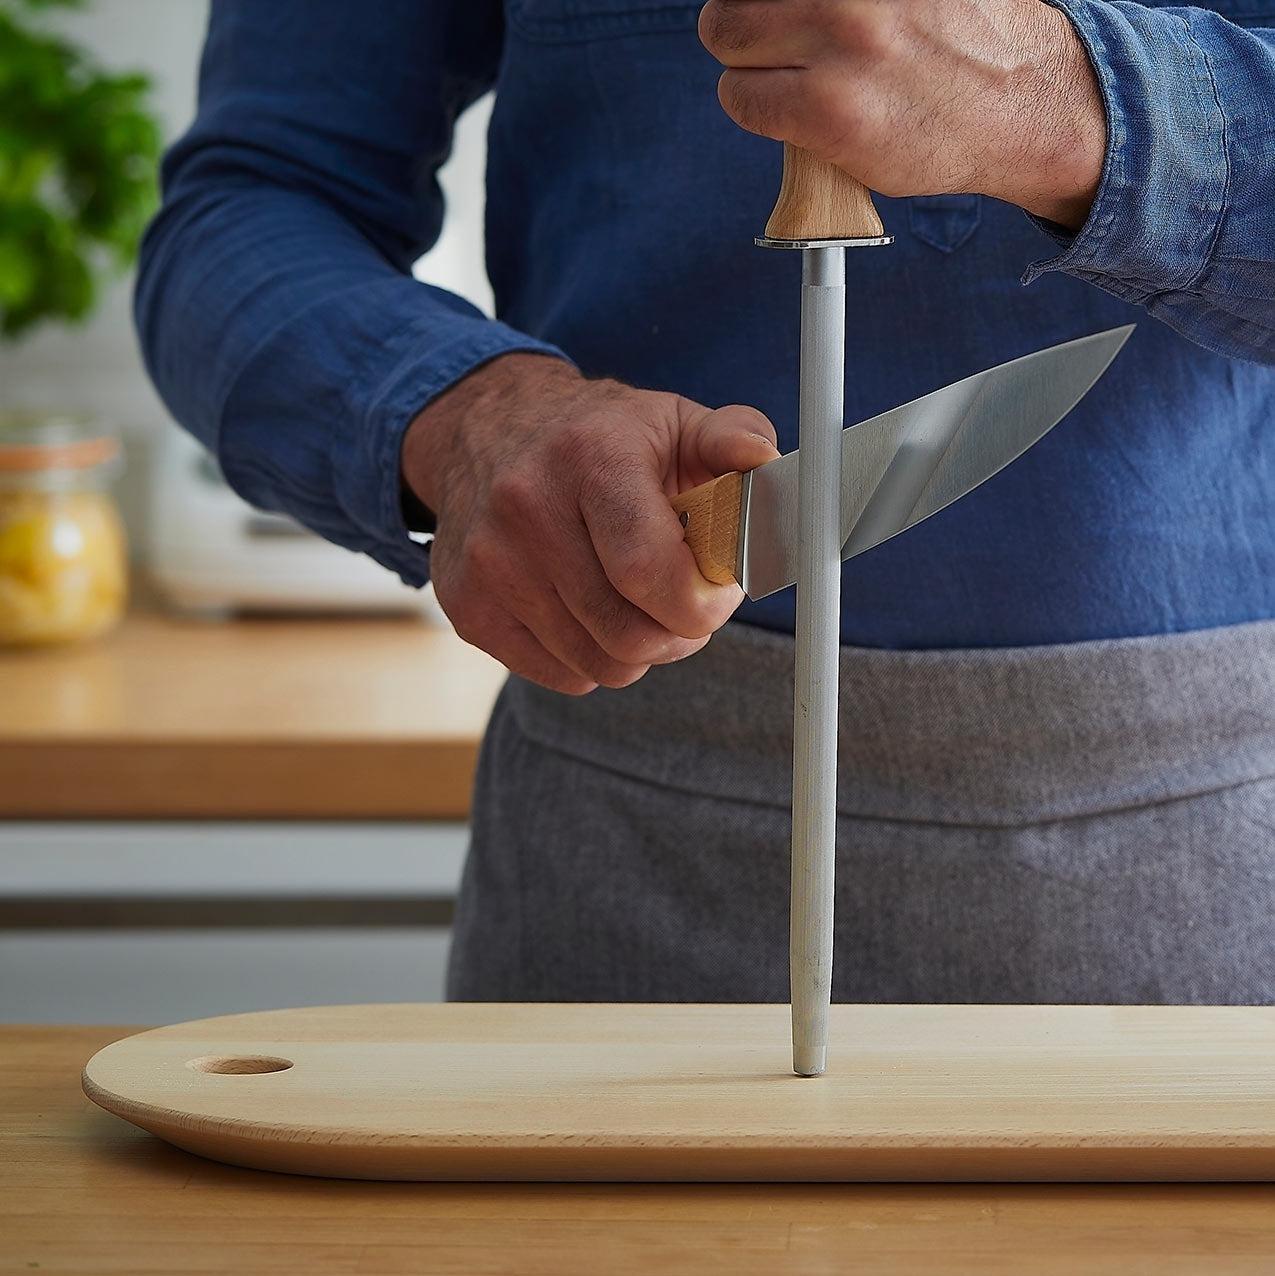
x: 730, y: 438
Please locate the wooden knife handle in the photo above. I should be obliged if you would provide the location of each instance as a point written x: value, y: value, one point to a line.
x: 710, y: 515
x: 818, y: 200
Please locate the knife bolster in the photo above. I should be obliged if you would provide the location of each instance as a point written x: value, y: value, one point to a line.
x: 710, y: 514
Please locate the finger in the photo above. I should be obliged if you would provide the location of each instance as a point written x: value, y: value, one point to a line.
x: 754, y: 33
x: 730, y: 438
x: 518, y: 649
x: 545, y: 614
x: 639, y: 542
x: 624, y: 631
x: 621, y: 629
x: 491, y: 629
x: 766, y: 102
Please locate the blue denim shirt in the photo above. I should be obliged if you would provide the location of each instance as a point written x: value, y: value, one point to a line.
x: 282, y: 326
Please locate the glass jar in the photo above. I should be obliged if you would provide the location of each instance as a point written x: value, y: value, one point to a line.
x: 63, y: 556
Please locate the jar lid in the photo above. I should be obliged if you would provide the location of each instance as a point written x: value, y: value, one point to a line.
x: 36, y: 442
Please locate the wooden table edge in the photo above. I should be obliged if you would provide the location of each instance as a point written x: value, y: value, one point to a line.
x: 188, y: 778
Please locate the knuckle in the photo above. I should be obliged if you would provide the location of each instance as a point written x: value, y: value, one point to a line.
x: 758, y: 422
x: 631, y: 649
x: 752, y: 106
x: 617, y: 631
x: 879, y: 36
x: 682, y: 648
x: 705, y: 615
x: 738, y: 101
x: 592, y: 662
x: 617, y: 676
x: 845, y: 23
x: 539, y: 668
x: 851, y: 26
x: 480, y: 560
x: 639, y: 573
x: 517, y: 494
x: 623, y: 647
x: 699, y: 624
x: 722, y: 29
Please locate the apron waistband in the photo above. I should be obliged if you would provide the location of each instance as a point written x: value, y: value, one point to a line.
x: 993, y: 736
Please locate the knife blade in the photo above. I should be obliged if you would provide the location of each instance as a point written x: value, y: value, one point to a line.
x: 897, y: 468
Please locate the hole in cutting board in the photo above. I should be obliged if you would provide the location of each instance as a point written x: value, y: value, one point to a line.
x: 235, y: 1065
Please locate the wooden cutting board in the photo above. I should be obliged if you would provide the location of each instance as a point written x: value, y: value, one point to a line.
x: 623, y: 1092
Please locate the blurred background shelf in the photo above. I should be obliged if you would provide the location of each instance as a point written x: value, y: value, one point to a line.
x: 200, y: 818
x: 248, y: 719
x: 160, y: 921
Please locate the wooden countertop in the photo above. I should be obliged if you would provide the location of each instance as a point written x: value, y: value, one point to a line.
x: 81, y: 1191
x: 359, y: 719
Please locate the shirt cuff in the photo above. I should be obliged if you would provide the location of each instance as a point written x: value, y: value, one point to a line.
x: 367, y: 466
x: 1157, y: 215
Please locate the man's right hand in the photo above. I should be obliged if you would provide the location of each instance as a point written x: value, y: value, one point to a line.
x: 557, y: 550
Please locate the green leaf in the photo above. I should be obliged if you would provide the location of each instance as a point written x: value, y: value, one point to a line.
x: 18, y: 274
x: 78, y: 155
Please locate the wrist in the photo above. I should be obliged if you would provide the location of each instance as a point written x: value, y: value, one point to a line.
x: 434, y: 442
x: 1068, y: 129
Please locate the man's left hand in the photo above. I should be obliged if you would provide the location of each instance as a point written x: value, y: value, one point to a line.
x: 921, y: 97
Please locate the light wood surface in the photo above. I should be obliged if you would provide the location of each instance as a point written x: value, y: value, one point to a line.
x: 82, y: 1192
x: 519, y: 1092
x: 710, y: 515
x: 817, y: 200
x: 377, y: 718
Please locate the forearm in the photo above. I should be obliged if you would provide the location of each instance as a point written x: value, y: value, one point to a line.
x: 276, y: 306
x: 1183, y: 222
x: 291, y: 346
x: 1147, y: 131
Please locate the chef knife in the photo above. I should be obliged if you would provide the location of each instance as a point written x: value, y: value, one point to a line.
x: 895, y: 469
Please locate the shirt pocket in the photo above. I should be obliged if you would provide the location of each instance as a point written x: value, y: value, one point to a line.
x: 558, y: 21
x: 944, y: 222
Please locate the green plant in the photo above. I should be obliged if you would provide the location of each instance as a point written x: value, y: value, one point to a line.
x: 78, y: 151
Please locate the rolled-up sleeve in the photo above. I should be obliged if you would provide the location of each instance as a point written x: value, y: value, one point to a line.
x: 1184, y: 220
x: 275, y: 303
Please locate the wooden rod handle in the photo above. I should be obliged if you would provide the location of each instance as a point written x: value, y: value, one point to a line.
x: 818, y: 200
x: 710, y: 515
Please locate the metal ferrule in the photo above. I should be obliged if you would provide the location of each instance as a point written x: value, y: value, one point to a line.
x: 763, y: 241
x: 823, y: 270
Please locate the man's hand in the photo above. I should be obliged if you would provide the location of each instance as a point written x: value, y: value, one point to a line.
x: 557, y: 550
x: 921, y: 97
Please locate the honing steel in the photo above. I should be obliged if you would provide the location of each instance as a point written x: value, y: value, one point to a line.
x: 822, y: 211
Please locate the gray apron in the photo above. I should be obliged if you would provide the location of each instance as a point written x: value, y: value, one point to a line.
x: 1079, y: 823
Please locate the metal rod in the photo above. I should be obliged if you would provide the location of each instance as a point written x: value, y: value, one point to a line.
x: 818, y: 628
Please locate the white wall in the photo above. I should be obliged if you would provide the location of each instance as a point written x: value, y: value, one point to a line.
x: 96, y: 368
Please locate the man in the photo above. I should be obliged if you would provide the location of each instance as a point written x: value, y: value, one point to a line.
x: 1058, y: 717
